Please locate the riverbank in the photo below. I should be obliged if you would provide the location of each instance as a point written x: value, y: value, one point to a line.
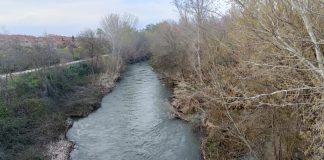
x: 212, y: 123
x: 202, y: 126
x: 180, y: 109
x: 89, y: 98
x: 33, y: 117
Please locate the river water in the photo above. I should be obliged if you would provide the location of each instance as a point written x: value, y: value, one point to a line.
x: 133, y: 124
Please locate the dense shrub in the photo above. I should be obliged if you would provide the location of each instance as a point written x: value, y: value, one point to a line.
x: 77, y: 71
x: 26, y: 85
x: 3, y: 110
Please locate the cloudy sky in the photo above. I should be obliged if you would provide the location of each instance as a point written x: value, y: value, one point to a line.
x: 69, y: 17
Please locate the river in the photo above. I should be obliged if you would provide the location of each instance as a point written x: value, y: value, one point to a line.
x: 133, y: 124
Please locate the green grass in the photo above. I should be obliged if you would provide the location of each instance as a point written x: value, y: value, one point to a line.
x: 63, y: 50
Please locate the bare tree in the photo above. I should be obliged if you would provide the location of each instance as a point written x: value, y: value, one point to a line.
x: 87, y: 40
x: 304, y: 9
x: 71, y: 45
x: 116, y: 28
x: 275, y: 25
x: 197, y: 11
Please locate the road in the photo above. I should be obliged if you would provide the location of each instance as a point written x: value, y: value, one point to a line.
x: 2, y: 76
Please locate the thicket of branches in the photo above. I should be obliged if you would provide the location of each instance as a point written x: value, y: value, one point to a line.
x: 257, y: 73
x: 117, y: 36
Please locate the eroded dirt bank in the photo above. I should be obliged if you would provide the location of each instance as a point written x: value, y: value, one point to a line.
x: 83, y: 102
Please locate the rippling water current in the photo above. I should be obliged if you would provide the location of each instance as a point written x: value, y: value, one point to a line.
x: 133, y: 124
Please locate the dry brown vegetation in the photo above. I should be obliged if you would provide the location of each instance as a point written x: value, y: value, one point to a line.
x: 257, y: 73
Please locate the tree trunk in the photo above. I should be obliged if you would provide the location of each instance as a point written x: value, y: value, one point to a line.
x: 310, y: 31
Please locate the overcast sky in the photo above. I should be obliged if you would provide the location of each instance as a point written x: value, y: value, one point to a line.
x: 69, y: 17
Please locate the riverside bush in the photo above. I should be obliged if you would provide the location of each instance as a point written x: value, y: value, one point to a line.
x: 77, y: 71
x: 3, y: 110
x: 26, y: 84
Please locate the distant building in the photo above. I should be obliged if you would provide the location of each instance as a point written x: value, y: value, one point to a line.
x: 27, y: 40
